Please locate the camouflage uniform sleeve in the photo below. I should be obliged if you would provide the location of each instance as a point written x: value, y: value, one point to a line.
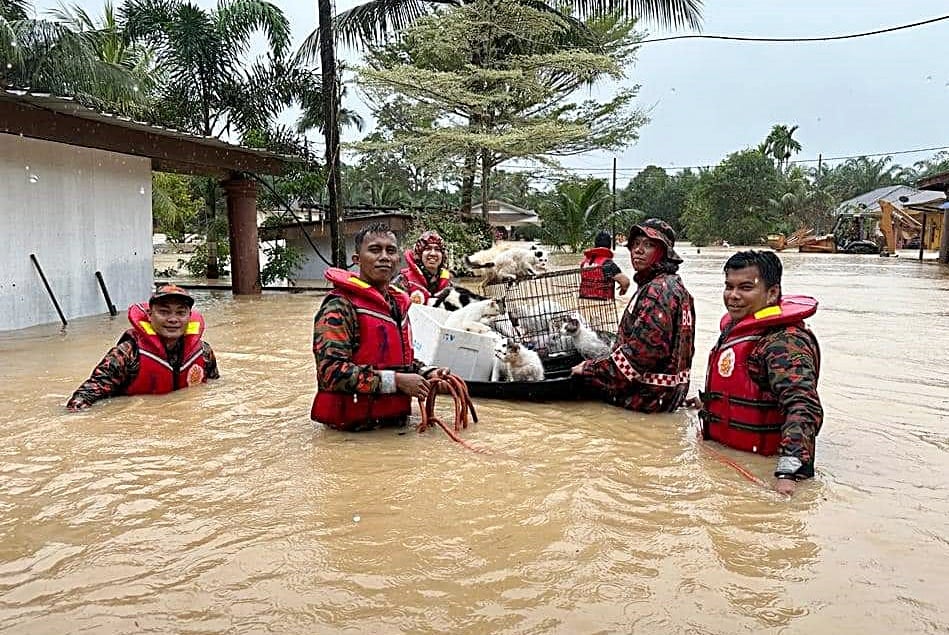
x: 210, y: 362
x: 650, y: 341
x: 610, y: 269
x: 335, y: 340
x: 109, y: 378
x: 788, y: 363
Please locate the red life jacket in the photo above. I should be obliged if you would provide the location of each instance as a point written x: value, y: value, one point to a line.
x: 593, y: 284
x: 736, y: 411
x: 384, y: 343
x: 156, y: 376
x: 415, y: 282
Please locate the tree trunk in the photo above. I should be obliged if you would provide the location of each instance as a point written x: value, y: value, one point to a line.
x: 485, y: 182
x: 331, y: 130
x: 467, y: 181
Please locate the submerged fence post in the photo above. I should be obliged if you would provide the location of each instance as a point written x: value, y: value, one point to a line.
x: 105, y: 294
x: 48, y: 289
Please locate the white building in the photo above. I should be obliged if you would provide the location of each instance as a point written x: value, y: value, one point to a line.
x: 75, y: 192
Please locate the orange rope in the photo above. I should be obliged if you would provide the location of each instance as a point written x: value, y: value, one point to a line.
x: 458, y: 389
x: 721, y: 458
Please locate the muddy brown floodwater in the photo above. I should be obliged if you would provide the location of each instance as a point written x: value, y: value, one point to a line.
x: 223, y: 509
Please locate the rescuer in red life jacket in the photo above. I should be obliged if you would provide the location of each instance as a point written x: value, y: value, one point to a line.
x: 599, y: 273
x: 162, y: 352
x: 426, y: 270
x: 366, y: 372
x: 761, y: 384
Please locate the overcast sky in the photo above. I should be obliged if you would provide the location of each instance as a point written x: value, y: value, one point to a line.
x: 707, y: 98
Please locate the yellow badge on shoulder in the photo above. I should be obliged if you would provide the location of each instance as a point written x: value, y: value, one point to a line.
x: 195, y: 375
x: 726, y: 363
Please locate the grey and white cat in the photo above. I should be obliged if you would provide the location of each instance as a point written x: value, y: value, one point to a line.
x: 521, y: 363
x: 585, y: 339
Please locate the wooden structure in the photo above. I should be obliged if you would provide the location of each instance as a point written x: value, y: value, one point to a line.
x: 939, y: 183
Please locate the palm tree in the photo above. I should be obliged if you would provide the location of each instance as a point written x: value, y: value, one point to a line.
x: 54, y: 56
x: 206, y: 88
x: 863, y: 174
x: 580, y: 208
x: 312, y: 116
x: 374, y: 21
x: 781, y: 145
x: 108, y: 40
x: 14, y: 9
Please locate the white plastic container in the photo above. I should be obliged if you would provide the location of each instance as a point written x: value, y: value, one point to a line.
x: 468, y: 355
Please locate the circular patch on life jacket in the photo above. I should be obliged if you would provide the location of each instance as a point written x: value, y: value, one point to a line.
x: 195, y: 375
x: 726, y: 363
x: 417, y: 297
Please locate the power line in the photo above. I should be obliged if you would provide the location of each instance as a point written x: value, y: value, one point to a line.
x: 712, y: 165
x: 787, y: 40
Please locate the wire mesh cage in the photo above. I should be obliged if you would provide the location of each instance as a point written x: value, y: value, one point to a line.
x: 536, y: 308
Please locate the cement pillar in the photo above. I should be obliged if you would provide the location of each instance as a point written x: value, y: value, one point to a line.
x: 242, y: 217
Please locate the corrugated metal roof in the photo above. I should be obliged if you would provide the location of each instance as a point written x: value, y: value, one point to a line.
x: 890, y: 193
x: 69, y: 106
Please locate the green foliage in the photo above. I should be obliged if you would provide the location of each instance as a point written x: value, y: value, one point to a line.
x: 730, y: 202
x: 207, y: 87
x: 579, y: 210
x: 197, y: 264
x: 863, y: 174
x: 801, y: 203
x: 283, y: 261
x: 375, y: 21
x: 781, y: 145
x: 494, y: 80
x: 464, y: 236
x: 656, y: 194
x: 174, y: 208
x: 67, y: 56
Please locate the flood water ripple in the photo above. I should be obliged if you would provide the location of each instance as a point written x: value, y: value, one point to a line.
x: 224, y: 509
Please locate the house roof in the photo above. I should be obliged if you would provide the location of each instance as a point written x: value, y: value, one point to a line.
x: 64, y: 120
x: 504, y: 214
x: 890, y: 193
x: 938, y: 182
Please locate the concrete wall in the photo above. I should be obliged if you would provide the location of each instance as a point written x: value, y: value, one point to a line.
x: 312, y: 268
x: 80, y: 211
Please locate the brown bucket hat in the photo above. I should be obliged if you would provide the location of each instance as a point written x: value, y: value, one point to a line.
x: 660, y: 231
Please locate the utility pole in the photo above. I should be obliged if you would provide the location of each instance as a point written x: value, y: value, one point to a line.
x: 613, y: 213
x: 331, y: 129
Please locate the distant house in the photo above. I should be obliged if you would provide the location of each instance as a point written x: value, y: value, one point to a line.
x: 309, y: 233
x: 936, y: 215
x: 504, y: 214
x: 869, y: 202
